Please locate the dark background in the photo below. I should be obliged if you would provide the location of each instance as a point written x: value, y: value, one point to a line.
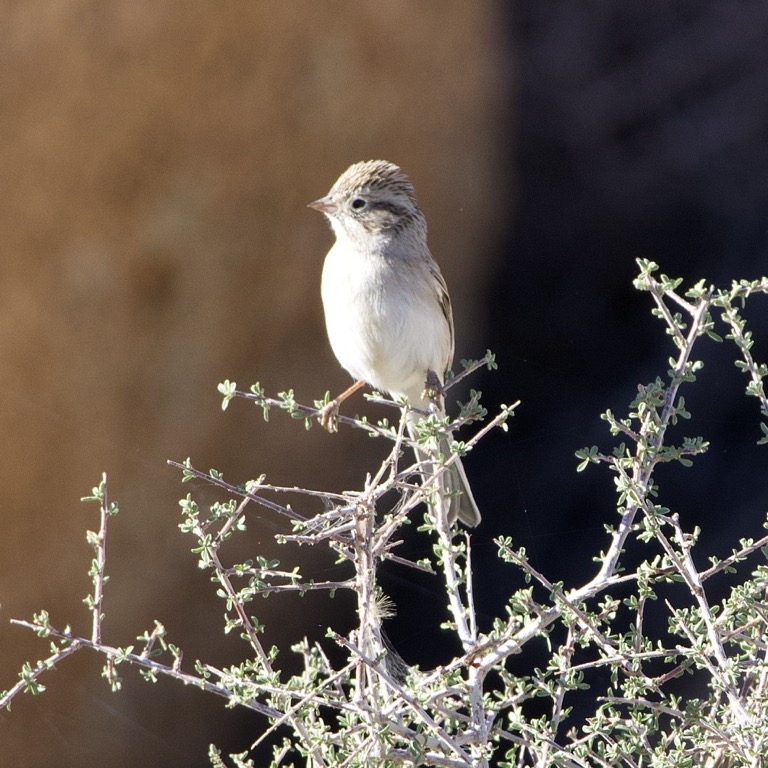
x: 641, y: 133
x: 157, y: 162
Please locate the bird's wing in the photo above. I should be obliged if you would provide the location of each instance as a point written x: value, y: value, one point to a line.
x: 445, y: 305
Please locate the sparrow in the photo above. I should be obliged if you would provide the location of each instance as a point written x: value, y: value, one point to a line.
x: 387, y: 309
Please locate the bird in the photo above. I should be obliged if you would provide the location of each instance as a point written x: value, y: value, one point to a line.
x: 387, y: 309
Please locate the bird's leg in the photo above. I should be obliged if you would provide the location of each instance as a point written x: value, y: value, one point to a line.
x: 329, y: 414
x: 433, y: 390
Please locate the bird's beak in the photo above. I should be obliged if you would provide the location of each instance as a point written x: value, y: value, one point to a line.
x: 324, y: 205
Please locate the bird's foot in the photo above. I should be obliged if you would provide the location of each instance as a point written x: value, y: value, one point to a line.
x: 328, y: 416
x: 433, y: 390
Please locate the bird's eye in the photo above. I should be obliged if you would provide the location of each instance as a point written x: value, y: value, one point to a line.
x: 358, y: 203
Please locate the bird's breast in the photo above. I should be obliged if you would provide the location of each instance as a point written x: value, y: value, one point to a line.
x: 383, y: 327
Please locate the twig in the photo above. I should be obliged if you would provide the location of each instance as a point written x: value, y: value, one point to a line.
x: 119, y: 655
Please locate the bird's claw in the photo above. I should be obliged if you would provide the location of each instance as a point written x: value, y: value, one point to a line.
x: 433, y: 390
x: 329, y: 416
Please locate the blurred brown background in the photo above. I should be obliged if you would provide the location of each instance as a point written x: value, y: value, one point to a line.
x: 155, y: 163
x: 156, y: 159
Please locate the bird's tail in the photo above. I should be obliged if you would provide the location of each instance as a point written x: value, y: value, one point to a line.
x: 453, y: 495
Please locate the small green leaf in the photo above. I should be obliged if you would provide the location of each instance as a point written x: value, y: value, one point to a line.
x: 227, y: 388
